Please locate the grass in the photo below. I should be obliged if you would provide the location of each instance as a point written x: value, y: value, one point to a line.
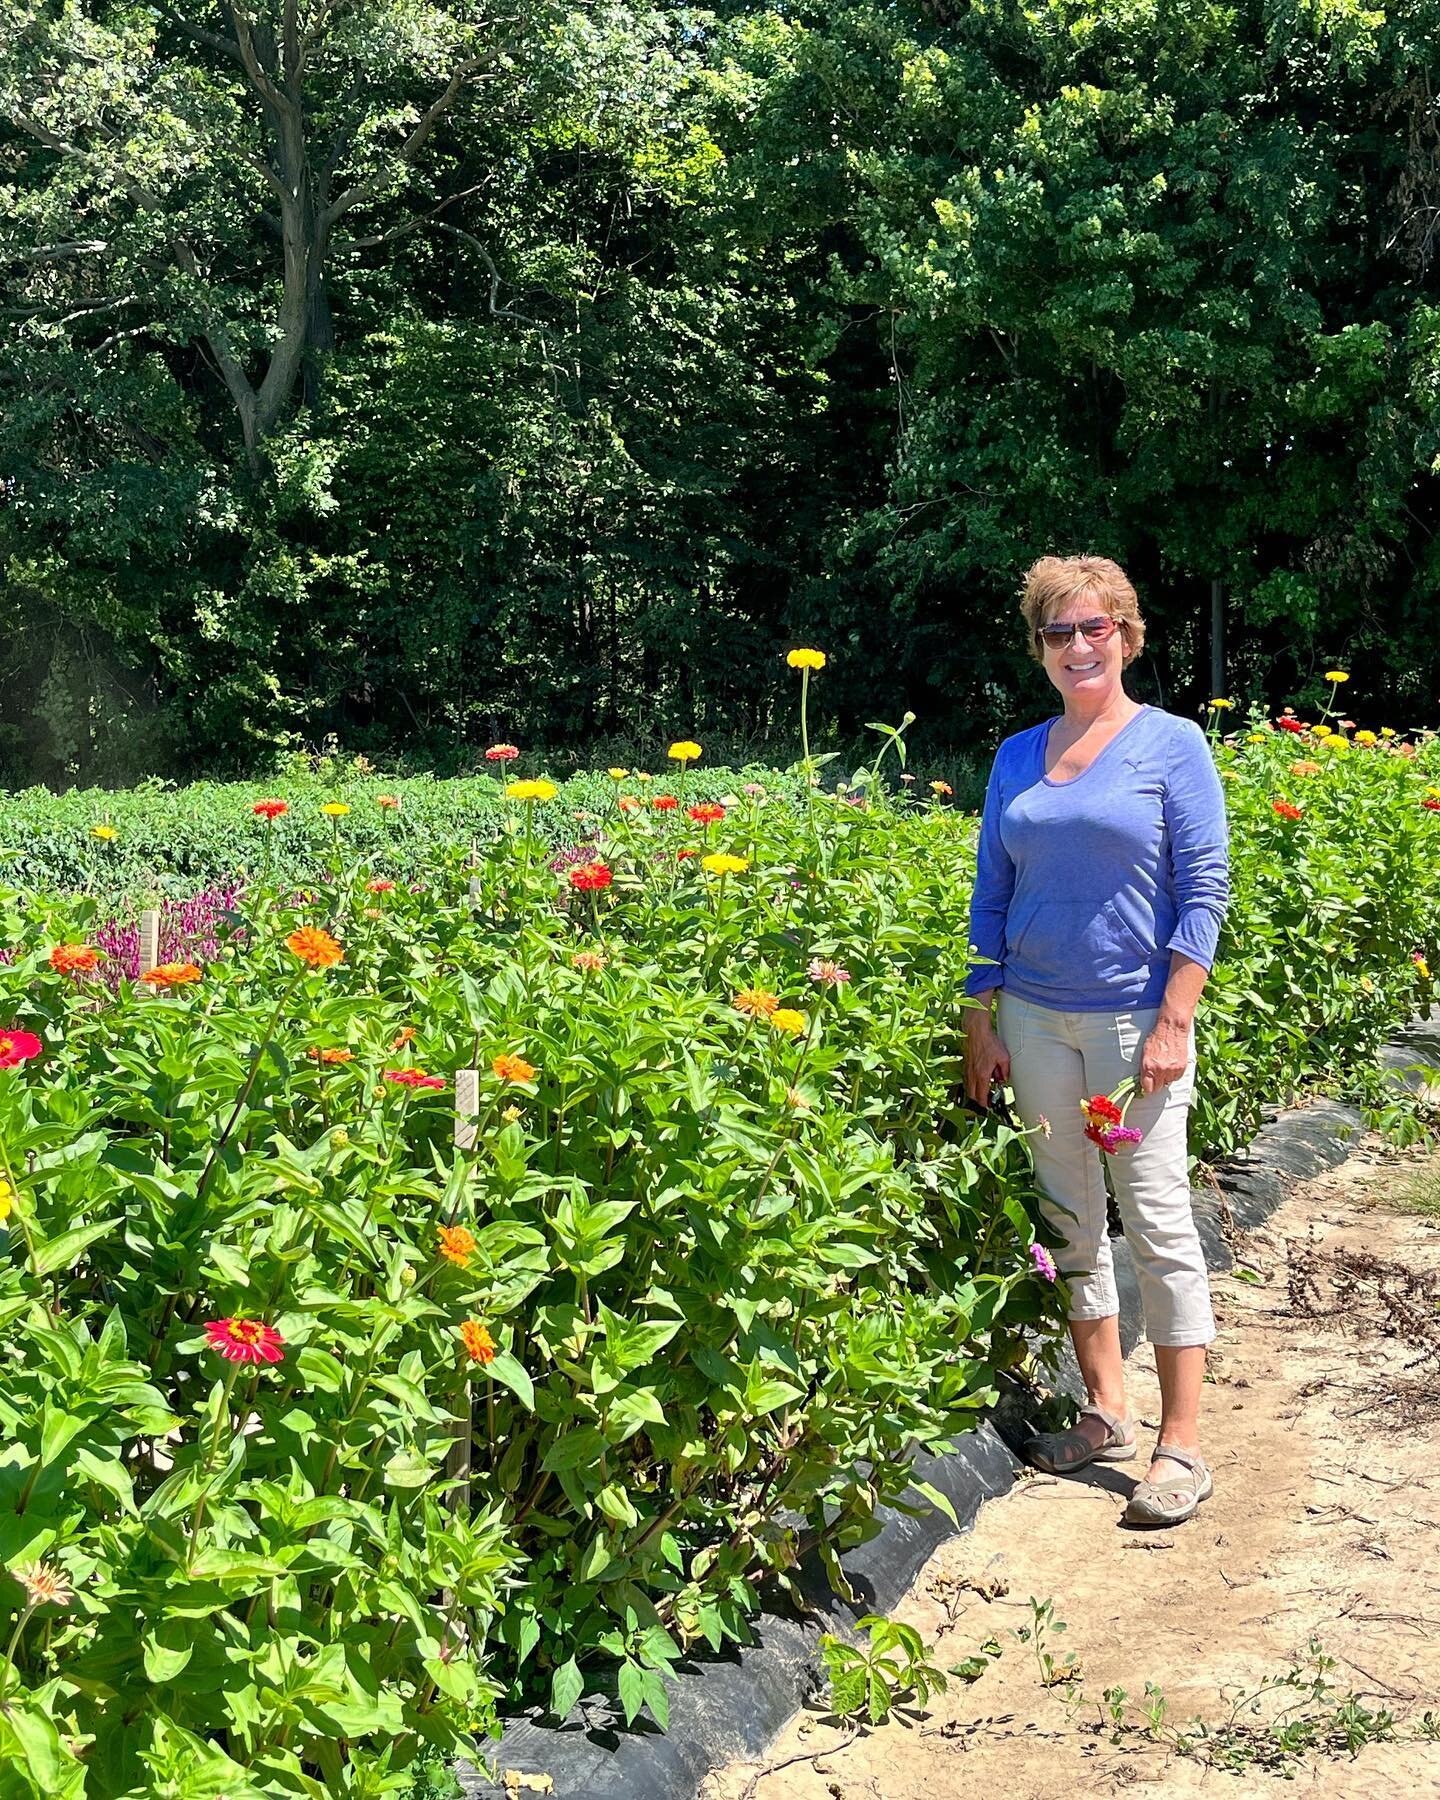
x: 1418, y: 1194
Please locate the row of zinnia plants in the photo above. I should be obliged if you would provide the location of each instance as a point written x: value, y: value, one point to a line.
x: 442, y: 1293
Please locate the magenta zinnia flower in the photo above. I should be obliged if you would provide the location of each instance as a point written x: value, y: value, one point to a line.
x: 1043, y: 1261
x: 245, y: 1340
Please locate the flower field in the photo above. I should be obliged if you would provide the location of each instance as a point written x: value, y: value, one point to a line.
x: 488, y: 1242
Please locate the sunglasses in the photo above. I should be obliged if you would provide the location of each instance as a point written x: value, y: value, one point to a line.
x: 1094, y: 631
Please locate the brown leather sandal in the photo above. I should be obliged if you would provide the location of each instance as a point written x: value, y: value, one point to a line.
x: 1062, y: 1452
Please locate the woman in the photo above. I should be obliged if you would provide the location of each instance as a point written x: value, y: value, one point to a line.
x: 1101, y: 885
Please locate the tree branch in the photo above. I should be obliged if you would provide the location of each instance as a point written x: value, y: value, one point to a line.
x: 364, y: 190
x: 404, y: 230
x: 223, y: 46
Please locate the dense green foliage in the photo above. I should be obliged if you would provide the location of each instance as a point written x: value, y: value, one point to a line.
x: 729, y: 1261
x: 426, y: 373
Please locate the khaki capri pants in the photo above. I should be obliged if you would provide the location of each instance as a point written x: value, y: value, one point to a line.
x: 1057, y: 1059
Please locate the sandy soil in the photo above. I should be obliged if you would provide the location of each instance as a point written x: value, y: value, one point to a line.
x: 1324, y: 1436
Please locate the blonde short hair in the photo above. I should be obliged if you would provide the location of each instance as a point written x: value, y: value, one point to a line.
x: 1055, y: 581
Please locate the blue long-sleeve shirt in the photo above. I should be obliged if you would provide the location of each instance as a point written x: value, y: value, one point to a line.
x: 1083, y: 888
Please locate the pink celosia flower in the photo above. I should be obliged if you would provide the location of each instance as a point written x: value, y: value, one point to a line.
x: 1043, y: 1261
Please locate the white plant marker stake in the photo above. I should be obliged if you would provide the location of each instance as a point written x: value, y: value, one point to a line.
x: 149, y: 939
x: 458, y: 1457
x: 467, y: 1107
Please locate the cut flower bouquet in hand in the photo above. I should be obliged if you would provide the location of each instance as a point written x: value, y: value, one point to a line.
x: 1105, y: 1117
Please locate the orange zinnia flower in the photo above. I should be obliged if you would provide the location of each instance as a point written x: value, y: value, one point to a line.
x: 457, y: 1245
x: 171, y: 975
x: 379, y: 887
x: 387, y: 802
x: 328, y: 1057
x: 479, y: 1345
x: 756, y: 1002
x: 74, y: 959
x: 402, y: 1037
x: 315, y: 947
x: 512, y: 1068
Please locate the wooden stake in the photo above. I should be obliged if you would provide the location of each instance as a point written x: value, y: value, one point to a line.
x: 149, y: 939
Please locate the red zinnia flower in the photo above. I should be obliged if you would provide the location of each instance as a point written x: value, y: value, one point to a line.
x: 709, y: 812
x: 590, y: 877
x: 414, y: 1078
x: 501, y: 753
x: 245, y: 1340
x: 1286, y: 810
x: 74, y: 959
x: 664, y: 803
x: 270, y: 810
x: 1430, y: 803
x: 379, y: 887
x: 680, y: 855
x: 17, y: 1046
x: 1289, y: 724
x: 1100, y: 1109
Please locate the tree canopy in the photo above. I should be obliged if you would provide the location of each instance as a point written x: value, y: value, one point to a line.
x: 420, y: 373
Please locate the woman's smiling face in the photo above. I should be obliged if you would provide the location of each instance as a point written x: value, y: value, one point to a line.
x: 1079, y: 666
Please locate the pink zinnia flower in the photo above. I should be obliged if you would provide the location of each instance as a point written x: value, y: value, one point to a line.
x: 17, y: 1046
x: 1043, y: 1261
x: 829, y: 974
x: 501, y: 753
x: 245, y: 1340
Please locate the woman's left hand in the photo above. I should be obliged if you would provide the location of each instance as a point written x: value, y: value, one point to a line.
x: 1166, y: 1052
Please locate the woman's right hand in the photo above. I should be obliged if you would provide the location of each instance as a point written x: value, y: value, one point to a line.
x: 986, y: 1060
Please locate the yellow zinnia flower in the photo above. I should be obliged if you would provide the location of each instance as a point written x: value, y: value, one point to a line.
x: 334, y: 809
x: 786, y: 1019
x: 531, y: 790
x: 7, y: 1199
x: 1336, y: 675
x: 806, y: 659
x: 1229, y: 774
x: 1387, y: 731
x: 685, y: 751
x: 617, y: 774
x: 720, y: 863
x: 1322, y: 731
x: 106, y: 833
x: 1334, y: 742
x: 1256, y: 737
x: 1366, y: 737
x: 1226, y: 705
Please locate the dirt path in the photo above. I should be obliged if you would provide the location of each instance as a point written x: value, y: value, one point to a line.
x: 1324, y: 1435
